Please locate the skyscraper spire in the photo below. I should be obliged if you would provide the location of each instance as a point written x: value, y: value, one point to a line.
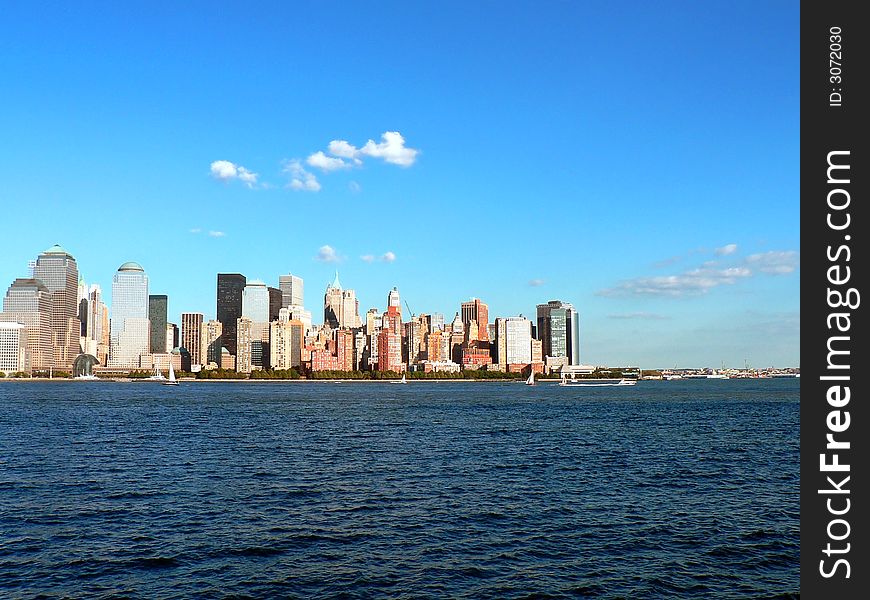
x: 336, y: 283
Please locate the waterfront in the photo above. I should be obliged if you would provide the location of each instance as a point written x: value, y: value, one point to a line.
x: 681, y: 488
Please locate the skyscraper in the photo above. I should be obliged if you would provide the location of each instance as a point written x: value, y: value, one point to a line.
x: 477, y: 310
x: 158, y: 309
x: 13, y: 348
x: 257, y: 301
x: 518, y: 341
x: 191, y: 336
x: 130, y: 329
x: 57, y: 270
x: 274, y: 303
x: 229, y: 306
x: 291, y: 288
x: 28, y: 302
x: 210, y: 351
x: 559, y: 330
x: 340, y: 307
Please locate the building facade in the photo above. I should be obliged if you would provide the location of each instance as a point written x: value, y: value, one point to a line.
x: 58, y: 272
x: 229, y: 306
x: 13, y: 348
x: 559, y: 331
x: 191, y: 336
x: 29, y: 303
x: 158, y: 316
x: 129, y: 329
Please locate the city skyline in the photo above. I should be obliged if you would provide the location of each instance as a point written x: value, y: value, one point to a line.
x: 604, y: 166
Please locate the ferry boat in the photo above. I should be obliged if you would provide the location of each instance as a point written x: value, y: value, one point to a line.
x: 572, y: 381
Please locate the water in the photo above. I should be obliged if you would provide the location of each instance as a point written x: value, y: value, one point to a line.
x: 441, y: 489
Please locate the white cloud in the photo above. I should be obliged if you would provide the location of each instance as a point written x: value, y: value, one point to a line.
x: 344, y: 149
x: 225, y: 170
x: 536, y: 282
x: 326, y: 254
x: 326, y: 163
x: 691, y: 283
x: 195, y: 230
x: 369, y: 258
x: 300, y: 179
x: 388, y: 257
x: 726, y: 250
x: 392, y: 149
x: 774, y: 262
x: 216, y: 233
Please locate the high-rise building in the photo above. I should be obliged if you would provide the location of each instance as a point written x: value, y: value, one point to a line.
x: 13, y: 348
x: 436, y: 322
x: 29, y: 302
x: 130, y: 329
x: 244, y: 347
x: 559, y: 330
x: 83, y: 307
x: 518, y: 337
x: 210, y: 351
x: 191, y: 336
x: 291, y: 288
x: 500, y: 356
x: 172, y: 337
x: 394, y: 300
x: 255, y: 301
x: 274, y: 303
x: 158, y: 309
x: 97, y: 331
x: 477, y: 310
x: 229, y: 306
x: 286, y: 338
x: 57, y: 270
x: 340, y: 307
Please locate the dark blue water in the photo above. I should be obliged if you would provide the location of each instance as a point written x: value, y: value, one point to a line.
x: 667, y: 489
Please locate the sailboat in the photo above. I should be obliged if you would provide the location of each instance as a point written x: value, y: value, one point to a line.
x: 171, y: 380
x: 531, y: 379
x: 402, y: 380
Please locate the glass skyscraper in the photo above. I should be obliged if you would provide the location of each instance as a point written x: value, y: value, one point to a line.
x: 158, y: 308
x: 58, y: 272
x: 559, y: 330
x: 229, y: 306
x: 130, y: 329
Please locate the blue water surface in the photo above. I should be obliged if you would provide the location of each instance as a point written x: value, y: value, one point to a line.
x: 431, y: 489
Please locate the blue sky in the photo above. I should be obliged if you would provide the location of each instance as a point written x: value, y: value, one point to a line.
x: 639, y: 160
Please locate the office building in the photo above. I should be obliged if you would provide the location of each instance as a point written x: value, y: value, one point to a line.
x: 559, y: 331
x: 229, y: 306
x: 29, y: 303
x: 518, y: 341
x: 158, y: 309
x: 210, y: 350
x: 13, y: 348
x: 340, y: 307
x: 58, y: 272
x: 475, y: 310
x: 191, y: 336
x: 244, y: 347
x: 130, y: 328
x: 291, y: 288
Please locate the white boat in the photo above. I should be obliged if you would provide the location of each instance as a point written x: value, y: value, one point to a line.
x: 402, y: 380
x: 158, y: 376
x: 531, y: 379
x: 87, y: 378
x: 171, y: 380
x: 571, y: 381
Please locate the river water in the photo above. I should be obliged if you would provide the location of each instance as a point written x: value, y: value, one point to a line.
x: 431, y: 489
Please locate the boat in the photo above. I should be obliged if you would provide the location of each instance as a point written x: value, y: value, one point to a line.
x: 531, y: 379
x: 171, y: 380
x: 158, y: 376
x: 86, y: 378
x: 572, y: 381
x: 402, y: 380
